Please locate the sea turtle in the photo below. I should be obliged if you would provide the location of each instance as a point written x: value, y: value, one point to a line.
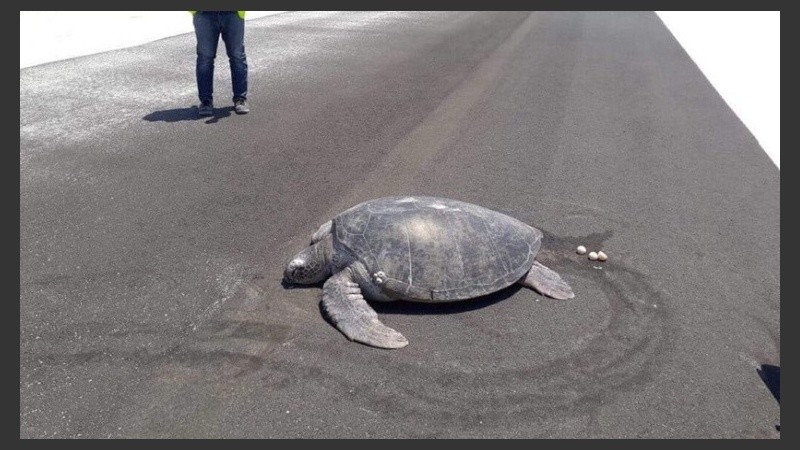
x: 419, y: 249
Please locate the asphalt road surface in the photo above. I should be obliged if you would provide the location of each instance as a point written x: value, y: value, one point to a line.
x: 152, y: 241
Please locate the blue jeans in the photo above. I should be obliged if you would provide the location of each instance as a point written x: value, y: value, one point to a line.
x: 208, y: 26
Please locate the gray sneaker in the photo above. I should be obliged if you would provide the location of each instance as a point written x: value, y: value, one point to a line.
x: 241, y: 106
x: 206, y: 108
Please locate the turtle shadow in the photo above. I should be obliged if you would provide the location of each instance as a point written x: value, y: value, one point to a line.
x: 187, y: 114
x: 420, y: 308
x: 289, y: 285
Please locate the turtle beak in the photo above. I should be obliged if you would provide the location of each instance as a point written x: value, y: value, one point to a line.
x: 294, y: 272
x: 307, y: 267
x: 288, y: 280
x: 288, y: 273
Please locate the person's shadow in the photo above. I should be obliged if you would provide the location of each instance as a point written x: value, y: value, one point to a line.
x: 771, y: 376
x: 184, y: 114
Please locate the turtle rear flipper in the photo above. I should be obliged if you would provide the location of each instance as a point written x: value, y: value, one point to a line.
x: 352, y: 315
x: 547, y: 282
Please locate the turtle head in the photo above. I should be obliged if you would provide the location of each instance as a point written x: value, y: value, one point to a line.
x: 309, y: 266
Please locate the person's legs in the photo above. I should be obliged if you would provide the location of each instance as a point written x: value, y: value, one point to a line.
x: 207, y: 30
x: 233, y: 36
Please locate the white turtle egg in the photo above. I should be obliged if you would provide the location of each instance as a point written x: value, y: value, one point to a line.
x: 602, y: 256
x: 581, y: 250
x: 593, y: 256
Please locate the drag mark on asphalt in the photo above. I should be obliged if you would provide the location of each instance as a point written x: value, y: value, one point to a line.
x: 228, y: 283
x: 425, y: 142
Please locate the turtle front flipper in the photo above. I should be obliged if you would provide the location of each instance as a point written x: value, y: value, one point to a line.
x: 350, y: 313
x: 547, y: 282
